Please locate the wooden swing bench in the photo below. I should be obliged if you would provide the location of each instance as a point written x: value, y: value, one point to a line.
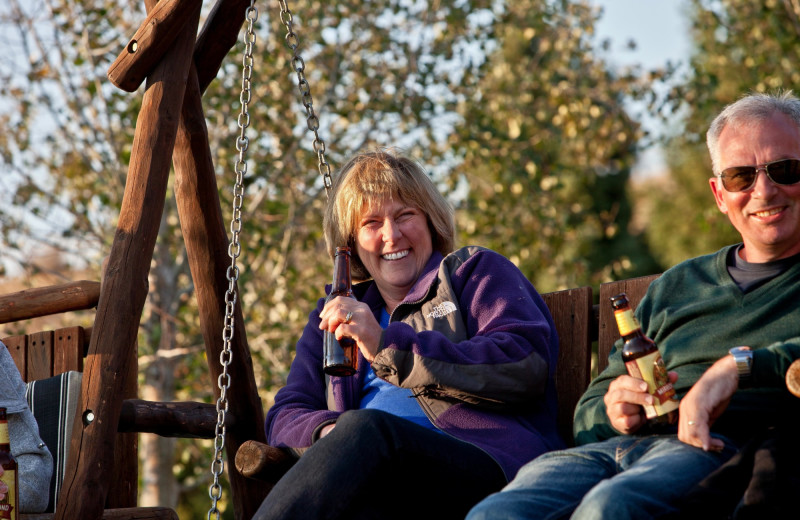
x: 41, y: 355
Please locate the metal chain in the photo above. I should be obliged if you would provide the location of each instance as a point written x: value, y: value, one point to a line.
x: 312, y: 120
x: 234, y: 249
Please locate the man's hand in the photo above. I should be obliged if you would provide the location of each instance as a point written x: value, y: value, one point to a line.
x: 706, y: 401
x: 624, y: 400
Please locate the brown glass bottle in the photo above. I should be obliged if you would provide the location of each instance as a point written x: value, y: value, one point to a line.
x: 643, y: 361
x: 340, y: 356
x: 9, y: 506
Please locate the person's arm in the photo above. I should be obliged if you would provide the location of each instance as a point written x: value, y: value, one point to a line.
x: 710, y: 395
x: 592, y: 422
x: 510, y: 349
x: 706, y: 401
x: 34, y: 461
x: 300, y: 410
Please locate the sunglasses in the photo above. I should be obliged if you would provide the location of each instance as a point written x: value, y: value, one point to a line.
x: 739, y: 178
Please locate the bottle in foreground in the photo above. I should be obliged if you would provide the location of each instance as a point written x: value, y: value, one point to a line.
x: 340, y: 356
x: 643, y: 361
x: 9, y: 506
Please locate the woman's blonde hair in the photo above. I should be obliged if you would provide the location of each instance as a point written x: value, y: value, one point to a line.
x: 370, y: 178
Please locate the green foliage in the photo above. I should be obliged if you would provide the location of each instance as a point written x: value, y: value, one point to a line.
x: 739, y: 47
x: 547, y: 151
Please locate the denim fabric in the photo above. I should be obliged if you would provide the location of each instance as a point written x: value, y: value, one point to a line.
x: 625, y: 477
x: 375, y: 465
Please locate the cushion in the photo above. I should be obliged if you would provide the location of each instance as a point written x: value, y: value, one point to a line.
x: 54, y: 402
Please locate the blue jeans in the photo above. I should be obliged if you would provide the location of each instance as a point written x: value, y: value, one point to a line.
x: 375, y: 465
x: 626, y: 477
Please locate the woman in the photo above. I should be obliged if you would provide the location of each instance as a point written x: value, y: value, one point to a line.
x: 34, y: 462
x: 454, y: 388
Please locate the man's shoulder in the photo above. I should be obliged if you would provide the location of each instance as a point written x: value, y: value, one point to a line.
x: 708, y: 264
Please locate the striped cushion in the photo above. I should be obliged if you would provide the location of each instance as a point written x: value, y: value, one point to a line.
x: 53, y: 402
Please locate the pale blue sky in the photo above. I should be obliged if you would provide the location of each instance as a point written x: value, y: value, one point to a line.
x: 660, y: 30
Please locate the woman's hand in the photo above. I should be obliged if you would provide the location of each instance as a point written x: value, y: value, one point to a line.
x: 361, y: 325
x: 326, y: 430
x: 624, y: 400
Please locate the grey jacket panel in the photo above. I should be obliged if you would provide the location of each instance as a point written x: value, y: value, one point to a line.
x: 33, y: 458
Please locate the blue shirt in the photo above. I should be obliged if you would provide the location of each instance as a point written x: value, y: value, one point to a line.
x: 380, y: 395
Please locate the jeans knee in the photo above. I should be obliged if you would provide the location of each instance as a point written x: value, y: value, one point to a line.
x: 604, y: 502
x: 493, y: 507
x: 363, y: 419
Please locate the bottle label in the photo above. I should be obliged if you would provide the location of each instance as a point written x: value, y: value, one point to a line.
x: 626, y: 322
x: 8, y: 507
x: 651, y: 369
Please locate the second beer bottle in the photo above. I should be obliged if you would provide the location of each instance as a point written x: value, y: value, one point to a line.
x: 9, y: 505
x: 643, y: 361
x: 340, y: 356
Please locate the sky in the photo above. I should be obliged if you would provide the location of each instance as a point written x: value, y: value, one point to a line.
x: 660, y: 30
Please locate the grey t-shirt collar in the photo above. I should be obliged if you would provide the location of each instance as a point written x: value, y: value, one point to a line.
x: 749, y: 276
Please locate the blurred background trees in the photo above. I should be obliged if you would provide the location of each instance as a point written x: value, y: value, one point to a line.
x: 738, y: 47
x: 512, y: 107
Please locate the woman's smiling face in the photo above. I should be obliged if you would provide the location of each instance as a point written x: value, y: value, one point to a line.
x: 394, y: 243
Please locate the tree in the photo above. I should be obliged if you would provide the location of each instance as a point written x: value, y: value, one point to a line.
x: 739, y: 47
x: 548, y: 147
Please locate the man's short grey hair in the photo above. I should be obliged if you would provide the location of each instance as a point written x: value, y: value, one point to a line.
x: 750, y: 109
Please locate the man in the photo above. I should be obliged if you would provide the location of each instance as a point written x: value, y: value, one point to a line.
x: 747, y: 294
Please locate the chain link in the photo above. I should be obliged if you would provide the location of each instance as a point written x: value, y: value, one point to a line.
x: 234, y: 249
x: 312, y: 120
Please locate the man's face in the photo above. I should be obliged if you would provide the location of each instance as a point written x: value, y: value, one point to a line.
x: 767, y: 215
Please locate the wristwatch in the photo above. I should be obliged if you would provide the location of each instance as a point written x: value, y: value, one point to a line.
x: 743, y: 357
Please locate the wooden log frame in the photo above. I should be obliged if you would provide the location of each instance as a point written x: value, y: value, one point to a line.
x: 124, y: 290
x: 45, y: 301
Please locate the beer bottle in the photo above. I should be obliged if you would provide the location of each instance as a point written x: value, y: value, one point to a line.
x: 340, y: 356
x: 643, y: 361
x: 9, y: 506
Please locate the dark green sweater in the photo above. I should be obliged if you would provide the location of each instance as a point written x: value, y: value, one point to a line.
x: 695, y: 313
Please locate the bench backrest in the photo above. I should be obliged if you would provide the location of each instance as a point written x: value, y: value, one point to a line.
x: 45, y: 354
x: 580, y: 324
x: 573, y: 316
x: 607, y: 332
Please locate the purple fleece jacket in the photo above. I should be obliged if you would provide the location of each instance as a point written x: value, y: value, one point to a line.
x: 473, y: 340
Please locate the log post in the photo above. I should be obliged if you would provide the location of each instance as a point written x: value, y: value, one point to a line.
x: 154, y: 36
x: 124, y: 289
x: 206, y: 240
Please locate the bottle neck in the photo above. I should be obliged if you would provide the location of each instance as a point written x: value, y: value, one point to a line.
x: 342, y: 281
x: 627, y: 324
